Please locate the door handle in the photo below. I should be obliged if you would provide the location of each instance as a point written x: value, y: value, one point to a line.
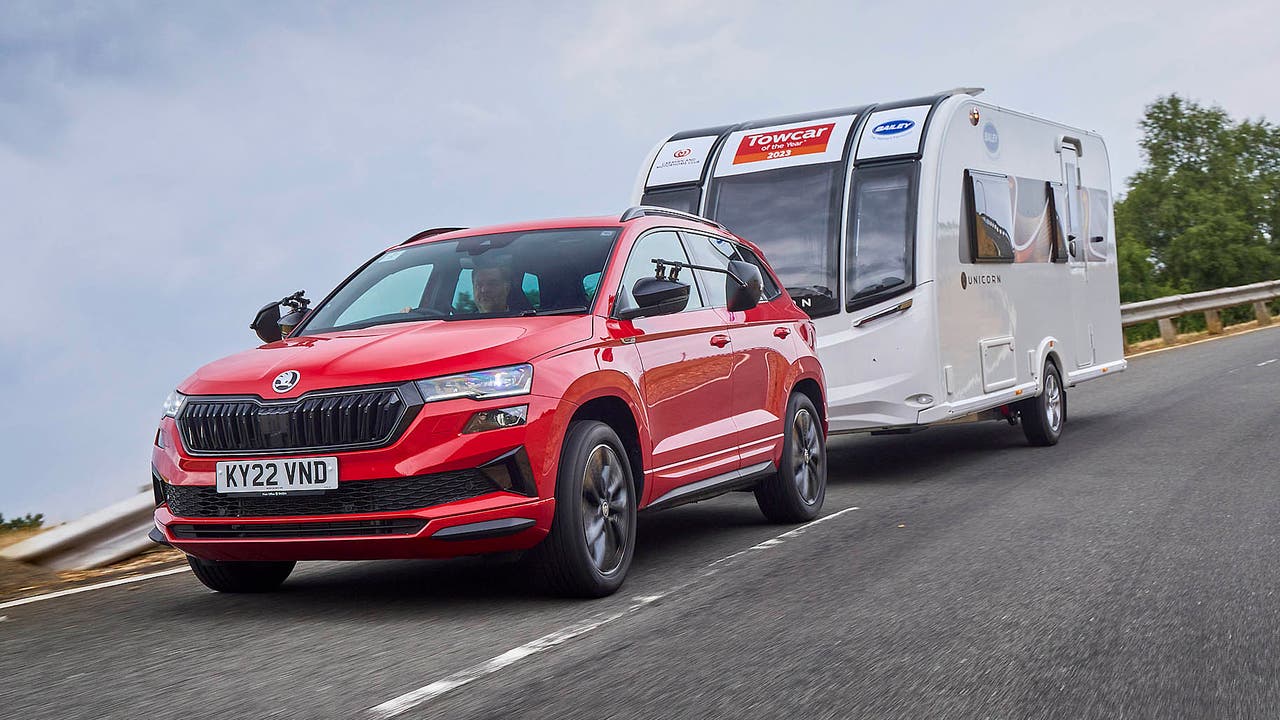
x: 781, y: 332
x: 719, y: 340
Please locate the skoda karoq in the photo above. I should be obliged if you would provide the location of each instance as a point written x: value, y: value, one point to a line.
x: 523, y: 387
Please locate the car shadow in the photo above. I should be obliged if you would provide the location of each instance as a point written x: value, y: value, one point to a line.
x: 461, y: 585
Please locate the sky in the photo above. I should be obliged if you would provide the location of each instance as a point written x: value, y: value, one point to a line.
x: 167, y: 168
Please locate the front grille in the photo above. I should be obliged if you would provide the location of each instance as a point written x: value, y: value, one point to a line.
x: 345, y: 528
x: 357, y: 496
x: 328, y: 421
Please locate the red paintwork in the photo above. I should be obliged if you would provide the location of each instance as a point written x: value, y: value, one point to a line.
x: 701, y: 409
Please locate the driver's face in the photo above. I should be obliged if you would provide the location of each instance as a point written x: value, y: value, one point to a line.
x: 491, y: 288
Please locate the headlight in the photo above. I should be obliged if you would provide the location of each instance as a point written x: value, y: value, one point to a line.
x: 173, y: 403
x: 479, y: 385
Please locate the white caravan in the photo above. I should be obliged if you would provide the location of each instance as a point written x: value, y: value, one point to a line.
x: 957, y: 258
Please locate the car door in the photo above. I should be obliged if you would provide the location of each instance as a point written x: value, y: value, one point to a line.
x: 685, y: 382
x: 762, y: 342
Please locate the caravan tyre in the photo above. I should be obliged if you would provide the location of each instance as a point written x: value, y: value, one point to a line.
x: 1044, y: 416
x: 795, y: 493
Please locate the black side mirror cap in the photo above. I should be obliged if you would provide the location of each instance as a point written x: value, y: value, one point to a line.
x: 267, y: 323
x: 656, y: 297
x: 743, y: 286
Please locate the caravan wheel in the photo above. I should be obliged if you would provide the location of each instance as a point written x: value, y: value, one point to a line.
x: 1044, y: 415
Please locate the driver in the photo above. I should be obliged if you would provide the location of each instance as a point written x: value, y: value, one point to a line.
x: 492, y: 286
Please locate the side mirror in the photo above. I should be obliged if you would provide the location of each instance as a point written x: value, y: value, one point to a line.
x: 743, y: 286
x: 267, y: 323
x: 656, y: 297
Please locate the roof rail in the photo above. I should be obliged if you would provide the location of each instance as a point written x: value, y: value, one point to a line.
x: 647, y: 210
x: 431, y: 232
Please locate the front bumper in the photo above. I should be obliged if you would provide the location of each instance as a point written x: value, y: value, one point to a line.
x: 512, y: 512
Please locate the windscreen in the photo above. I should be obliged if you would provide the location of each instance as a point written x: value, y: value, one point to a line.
x: 544, y: 272
x: 793, y: 214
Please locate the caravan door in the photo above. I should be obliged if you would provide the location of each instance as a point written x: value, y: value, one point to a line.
x: 1077, y: 267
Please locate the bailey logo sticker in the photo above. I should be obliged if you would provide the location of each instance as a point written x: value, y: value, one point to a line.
x: 285, y: 381
x: 892, y: 128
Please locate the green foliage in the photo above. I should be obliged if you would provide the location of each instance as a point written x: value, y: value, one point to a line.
x: 1203, y: 211
x: 26, y: 522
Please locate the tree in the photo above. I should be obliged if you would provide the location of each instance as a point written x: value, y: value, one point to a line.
x: 1203, y: 211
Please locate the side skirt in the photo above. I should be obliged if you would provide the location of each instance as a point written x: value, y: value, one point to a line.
x: 711, y: 487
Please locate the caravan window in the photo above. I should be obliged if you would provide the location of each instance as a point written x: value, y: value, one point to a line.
x: 793, y: 214
x: 882, y: 233
x: 683, y: 199
x: 1058, y: 200
x: 990, y: 216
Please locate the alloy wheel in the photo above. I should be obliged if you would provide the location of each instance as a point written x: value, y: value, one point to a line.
x: 605, y: 505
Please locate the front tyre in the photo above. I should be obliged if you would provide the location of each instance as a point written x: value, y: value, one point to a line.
x: 1044, y: 415
x: 240, y: 577
x: 593, y: 534
x: 796, y: 492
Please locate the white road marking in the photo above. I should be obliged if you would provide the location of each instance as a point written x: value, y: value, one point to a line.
x: 414, y: 698
x: 87, y: 588
x: 1268, y: 362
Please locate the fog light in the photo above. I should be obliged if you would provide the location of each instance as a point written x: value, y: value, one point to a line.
x: 496, y: 419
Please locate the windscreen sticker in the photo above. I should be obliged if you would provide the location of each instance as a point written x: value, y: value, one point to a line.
x: 893, y: 132
x: 806, y: 143
x: 680, y: 161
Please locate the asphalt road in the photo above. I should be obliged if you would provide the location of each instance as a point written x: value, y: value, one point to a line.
x: 1131, y: 571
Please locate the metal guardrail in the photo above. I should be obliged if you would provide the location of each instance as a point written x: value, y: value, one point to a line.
x: 120, y: 531
x: 112, y: 534
x: 1210, y: 302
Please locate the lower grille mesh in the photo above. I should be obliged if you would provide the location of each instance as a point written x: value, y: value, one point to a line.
x: 348, y: 528
x: 358, y: 496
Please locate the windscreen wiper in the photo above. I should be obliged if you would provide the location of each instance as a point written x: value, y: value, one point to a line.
x: 878, y: 287
x: 556, y: 311
x: 810, y: 291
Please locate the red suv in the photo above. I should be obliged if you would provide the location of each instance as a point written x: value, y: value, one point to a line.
x: 523, y: 387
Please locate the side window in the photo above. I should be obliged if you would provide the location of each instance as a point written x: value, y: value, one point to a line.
x: 590, y: 284
x: 464, y: 297
x: 882, y: 233
x: 397, y: 292
x: 990, y: 215
x: 770, y: 287
x: 712, y: 252
x: 665, y: 245
x: 1058, y: 199
x: 529, y: 285
x: 1099, y: 204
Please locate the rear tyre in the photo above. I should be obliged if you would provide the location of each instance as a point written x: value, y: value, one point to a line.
x: 593, y: 534
x: 796, y: 492
x: 1044, y: 416
x: 240, y: 577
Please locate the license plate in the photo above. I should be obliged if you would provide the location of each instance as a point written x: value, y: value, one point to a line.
x: 278, y: 477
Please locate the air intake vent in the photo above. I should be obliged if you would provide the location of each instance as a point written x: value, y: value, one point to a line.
x: 357, y: 496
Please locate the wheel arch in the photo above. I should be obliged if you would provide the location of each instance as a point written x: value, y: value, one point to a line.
x: 614, y: 411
